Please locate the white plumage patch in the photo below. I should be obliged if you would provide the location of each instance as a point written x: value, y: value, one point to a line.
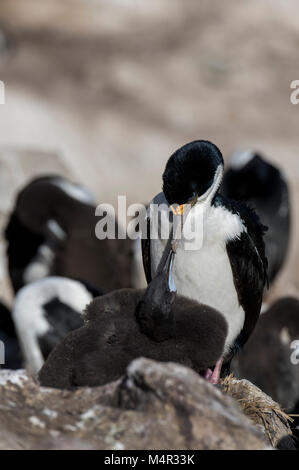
x: 206, y: 275
x: 241, y: 158
x: 28, y: 313
x: 75, y: 191
x: 40, y: 266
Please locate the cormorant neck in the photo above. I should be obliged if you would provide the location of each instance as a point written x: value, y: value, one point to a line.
x: 209, y: 195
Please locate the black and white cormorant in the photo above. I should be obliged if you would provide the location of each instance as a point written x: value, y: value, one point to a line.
x: 45, y: 311
x: 130, y: 323
x: 226, y: 267
x: 250, y: 178
x: 51, y: 232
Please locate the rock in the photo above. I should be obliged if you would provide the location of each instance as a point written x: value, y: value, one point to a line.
x: 155, y: 406
x: 260, y: 408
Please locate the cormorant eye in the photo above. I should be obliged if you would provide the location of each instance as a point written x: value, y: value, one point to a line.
x: 192, y: 196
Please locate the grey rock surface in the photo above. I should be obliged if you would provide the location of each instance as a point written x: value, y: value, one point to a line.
x: 155, y: 406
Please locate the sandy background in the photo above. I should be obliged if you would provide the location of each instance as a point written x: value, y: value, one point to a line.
x: 115, y: 86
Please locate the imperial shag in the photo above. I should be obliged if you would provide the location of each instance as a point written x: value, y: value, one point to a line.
x: 225, y: 265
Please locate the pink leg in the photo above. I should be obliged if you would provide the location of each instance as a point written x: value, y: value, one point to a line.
x: 214, y: 378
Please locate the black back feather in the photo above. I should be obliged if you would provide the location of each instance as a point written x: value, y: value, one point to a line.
x: 249, y: 266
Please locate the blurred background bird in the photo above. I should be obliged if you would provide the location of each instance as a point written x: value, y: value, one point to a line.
x: 252, y: 179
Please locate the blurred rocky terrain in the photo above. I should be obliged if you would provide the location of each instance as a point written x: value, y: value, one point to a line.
x: 155, y: 406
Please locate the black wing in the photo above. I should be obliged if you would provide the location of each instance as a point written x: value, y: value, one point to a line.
x: 249, y: 265
x: 249, y: 279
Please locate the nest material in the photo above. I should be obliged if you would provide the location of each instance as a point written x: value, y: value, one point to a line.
x: 259, y: 407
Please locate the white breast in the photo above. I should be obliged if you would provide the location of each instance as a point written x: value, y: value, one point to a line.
x: 205, y: 274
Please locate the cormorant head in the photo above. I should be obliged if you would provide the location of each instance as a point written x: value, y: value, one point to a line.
x: 50, y: 199
x: 193, y: 173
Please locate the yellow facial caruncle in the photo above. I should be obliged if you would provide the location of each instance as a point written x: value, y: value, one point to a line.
x: 178, y: 210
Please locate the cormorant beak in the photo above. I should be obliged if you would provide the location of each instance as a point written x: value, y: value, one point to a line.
x: 166, y: 263
x: 181, y: 211
x: 178, y: 210
x: 183, y: 208
x: 168, y: 269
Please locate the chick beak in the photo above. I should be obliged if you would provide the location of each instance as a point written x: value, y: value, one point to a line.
x: 168, y: 268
